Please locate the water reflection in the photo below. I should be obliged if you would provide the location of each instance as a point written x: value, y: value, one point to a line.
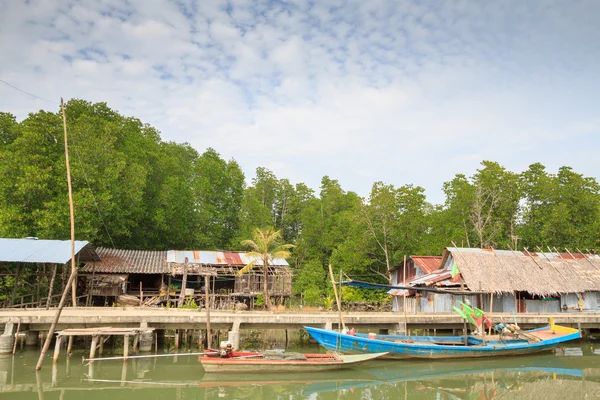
x: 572, y: 372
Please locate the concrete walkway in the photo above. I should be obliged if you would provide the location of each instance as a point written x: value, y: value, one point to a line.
x: 163, y: 318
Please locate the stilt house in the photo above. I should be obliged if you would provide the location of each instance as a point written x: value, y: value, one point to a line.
x: 511, y: 281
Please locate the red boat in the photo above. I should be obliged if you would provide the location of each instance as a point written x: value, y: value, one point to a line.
x: 256, y: 362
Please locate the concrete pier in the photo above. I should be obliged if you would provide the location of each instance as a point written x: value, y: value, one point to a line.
x: 7, y: 339
x: 234, y: 321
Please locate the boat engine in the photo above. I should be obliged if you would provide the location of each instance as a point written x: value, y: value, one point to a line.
x: 225, y: 349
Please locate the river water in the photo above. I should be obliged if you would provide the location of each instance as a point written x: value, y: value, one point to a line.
x: 570, y: 372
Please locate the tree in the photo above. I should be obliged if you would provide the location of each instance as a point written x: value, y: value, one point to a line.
x: 265, y: 247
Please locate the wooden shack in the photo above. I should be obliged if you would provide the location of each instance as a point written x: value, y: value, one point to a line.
x: 227, y: 287
x: 508, y: 281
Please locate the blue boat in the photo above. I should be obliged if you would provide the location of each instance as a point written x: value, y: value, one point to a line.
x: 446, y: 347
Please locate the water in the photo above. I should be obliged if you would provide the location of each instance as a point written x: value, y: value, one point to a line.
x: 571, y: 372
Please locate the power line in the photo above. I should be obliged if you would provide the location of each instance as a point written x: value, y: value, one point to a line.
x: 27, y: 93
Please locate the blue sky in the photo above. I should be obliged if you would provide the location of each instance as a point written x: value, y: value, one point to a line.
x: 362, y: 91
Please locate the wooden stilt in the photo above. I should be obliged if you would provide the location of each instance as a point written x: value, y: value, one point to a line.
x: 125, y: 347
x: 93, y: 346
x: 70, y: 345
x: 183, y: 283
x: 101, y: 346
x: 16, y: 285
x: 51, y: 286
x: 176, y: 339
x: 156, y: 342
x: 57, y: 349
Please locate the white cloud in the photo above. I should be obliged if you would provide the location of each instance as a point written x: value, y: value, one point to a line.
x: 401, y: 92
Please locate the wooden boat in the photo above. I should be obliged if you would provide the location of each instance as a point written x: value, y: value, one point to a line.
x: 235, y: 354
x: 309, y: 363
x: 437, y: 347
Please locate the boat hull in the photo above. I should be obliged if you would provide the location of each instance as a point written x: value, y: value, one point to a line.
x: 429, y: 350
x: 313, y: 363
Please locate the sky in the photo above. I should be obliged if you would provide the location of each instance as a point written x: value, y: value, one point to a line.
x: 404, y: 92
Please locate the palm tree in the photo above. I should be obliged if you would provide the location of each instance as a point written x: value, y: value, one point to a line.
x: 265, y: 247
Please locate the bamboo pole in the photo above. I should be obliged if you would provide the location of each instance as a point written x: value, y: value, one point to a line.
x: 49, y: 300
x: 207, y: 305
x: 337, y: 299
x: 71, y: 281
x: 53, y: 326
x: 71, y: 211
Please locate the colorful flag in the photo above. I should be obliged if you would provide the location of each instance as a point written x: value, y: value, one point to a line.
x: 455, y: 270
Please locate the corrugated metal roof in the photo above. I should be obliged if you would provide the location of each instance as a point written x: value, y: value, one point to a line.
x: 441, y: 277
x: 231, y: 258
x: 44, y: 251
x: 427, y: 263
x: 130, y: 262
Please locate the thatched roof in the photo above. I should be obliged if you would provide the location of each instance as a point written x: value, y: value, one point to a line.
x: 543, y: 274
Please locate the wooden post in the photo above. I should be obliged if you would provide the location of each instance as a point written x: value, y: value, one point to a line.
x: 16, y: 284
x: 16, y: 337
x: 125, y: 347
x: 57, y: 349
x: 169, y: 291
x: 141, y: 295
x: 93, y: 347
x: 337, y: 299
x: 37, y: 286
x: 70, y: 345
x: 183, y: 283
x: 101, y: 346
x: 90, y: 297
x: 176, y: 339
x: 207, y: 301
x: 49, y: 300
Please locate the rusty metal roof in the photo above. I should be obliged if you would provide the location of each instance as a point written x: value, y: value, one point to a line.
x: 440, y: 277
x: 427, y: 263
x: 230, y: 258
x: 129, y: 262
x: 33, y: 250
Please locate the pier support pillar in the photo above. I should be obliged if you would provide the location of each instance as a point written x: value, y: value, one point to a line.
x: 146, y: 338
x: 233, y: 335
x: 7, y: 338
x: 399, y: 329
x: 32, y: 338
x: 329, y: 325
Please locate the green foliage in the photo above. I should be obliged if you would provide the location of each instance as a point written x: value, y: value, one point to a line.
x: 259, y: 300
x: 134, y: 191
x: 328, y: 302
x: 352, y: 294
x: 189, y: 302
